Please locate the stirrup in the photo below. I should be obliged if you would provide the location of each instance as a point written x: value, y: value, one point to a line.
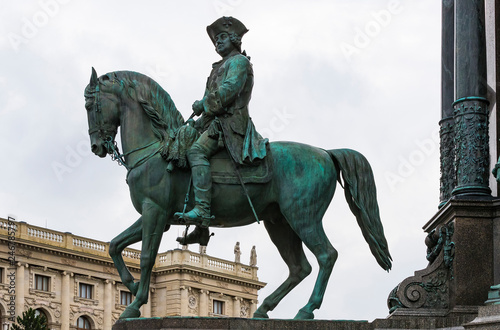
x: 202, y: 221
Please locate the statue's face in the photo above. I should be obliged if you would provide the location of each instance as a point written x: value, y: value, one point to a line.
x: 223, y: 44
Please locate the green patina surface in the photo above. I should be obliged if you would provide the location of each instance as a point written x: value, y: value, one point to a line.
x: 291, y: 203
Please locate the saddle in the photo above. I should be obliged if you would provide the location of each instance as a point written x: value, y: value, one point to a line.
x: 175, y: 147
x: 224, y: 169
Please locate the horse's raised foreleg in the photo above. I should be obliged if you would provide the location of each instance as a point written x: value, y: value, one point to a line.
x: 131, y: 235
x: 290, y: 247
x: 153, y: 224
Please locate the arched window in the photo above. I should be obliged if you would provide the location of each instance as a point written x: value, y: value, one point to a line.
x: 40, y: 312
x: 83, y: 323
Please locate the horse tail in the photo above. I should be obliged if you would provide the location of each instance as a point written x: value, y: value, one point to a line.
x: 361, y: 195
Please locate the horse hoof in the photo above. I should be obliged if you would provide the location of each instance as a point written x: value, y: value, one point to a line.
x: 303, y: 315
x: 130, y: 313
x: 260, y: 315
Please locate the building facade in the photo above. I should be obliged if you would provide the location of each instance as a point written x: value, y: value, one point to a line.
x: 73, y: 282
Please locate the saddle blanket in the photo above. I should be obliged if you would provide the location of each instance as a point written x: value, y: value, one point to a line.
x: 224, y: 169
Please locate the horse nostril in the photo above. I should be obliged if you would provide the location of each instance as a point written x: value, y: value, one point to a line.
x: 93, y: 148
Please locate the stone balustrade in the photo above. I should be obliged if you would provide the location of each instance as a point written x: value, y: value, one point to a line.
x: 186, y: 257
x: 132, y: 257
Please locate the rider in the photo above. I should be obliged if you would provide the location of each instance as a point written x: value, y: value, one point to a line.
x: 224, y: 121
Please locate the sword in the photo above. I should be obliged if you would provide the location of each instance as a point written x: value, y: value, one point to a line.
x: 238, y: 174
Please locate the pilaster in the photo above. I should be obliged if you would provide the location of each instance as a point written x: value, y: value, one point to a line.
x: 108, y: 304
x: 204, y: 302
x: 65, y: 300
x: 20, y: 285
x: 236, y: 306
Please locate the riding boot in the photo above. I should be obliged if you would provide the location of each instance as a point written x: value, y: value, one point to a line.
x: 199, y: 235
x: 202, y: 184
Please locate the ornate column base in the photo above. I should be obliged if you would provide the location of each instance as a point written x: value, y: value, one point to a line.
x: 461, y: 252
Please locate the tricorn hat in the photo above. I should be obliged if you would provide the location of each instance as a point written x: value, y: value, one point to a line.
x: 226, y: 24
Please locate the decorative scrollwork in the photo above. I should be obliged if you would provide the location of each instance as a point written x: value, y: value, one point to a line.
x: 414, y: 295
x: 429, y: 288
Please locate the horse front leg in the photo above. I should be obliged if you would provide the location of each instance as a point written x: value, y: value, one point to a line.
x: 153, y: 224
x: 131, y: 235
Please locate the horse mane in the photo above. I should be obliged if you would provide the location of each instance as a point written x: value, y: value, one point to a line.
x: 156, y: 102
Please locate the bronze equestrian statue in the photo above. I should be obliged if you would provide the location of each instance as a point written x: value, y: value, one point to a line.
x: 290, y: 197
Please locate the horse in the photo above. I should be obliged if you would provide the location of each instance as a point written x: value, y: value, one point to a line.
x: 291, y: 204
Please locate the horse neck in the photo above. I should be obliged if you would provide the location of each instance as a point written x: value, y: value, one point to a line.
x: 135, y: 131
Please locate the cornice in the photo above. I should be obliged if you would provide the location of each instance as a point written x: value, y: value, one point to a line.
x: 183, y: 269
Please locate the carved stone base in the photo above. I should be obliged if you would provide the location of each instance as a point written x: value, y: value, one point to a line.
x: 462, y: 267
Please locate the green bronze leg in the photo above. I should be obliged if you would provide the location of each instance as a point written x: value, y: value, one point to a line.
x: 130, y: 236
x: 153, y: 224
x: 290, y: 248
x: 312, y: 234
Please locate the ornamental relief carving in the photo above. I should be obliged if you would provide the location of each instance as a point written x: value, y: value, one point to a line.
x: 109, y: 270
x: 24, y: 253
x: 245, y: 309
x: 195, y: 278
x: 193, y: 304
x: 69, y: 262
x: 86, y: 302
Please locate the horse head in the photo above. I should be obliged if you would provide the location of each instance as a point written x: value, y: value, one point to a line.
x: 102, y: 101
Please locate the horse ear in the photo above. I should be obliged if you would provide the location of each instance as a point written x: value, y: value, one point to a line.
x: 93, y: 78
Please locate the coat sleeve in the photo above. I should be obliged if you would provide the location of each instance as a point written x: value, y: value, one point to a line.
x: 217, y: 101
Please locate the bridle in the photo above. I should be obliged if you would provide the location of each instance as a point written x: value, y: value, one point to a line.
x: 107, y: 133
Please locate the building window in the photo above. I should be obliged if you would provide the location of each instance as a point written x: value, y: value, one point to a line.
x: 82, y: 323
x: 86, y: 292
x: 42, y: 282
x: 218, y: 307
x: 125, y: 298
x: 1, y: 275
x: 39, y: 312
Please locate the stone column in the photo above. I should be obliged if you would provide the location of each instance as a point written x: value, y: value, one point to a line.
x: 471, y: 107
x: 236, y: 307
x: 204, y: 302
x: 65, y: 283
x: 108, y: 304
x: 447, y: 133
x: 184, y: 300
x: 19, y: 289
x: 253, y: 307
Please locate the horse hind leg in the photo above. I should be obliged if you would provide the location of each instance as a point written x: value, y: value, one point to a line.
x: 290, y: 248
x: 311, y: 232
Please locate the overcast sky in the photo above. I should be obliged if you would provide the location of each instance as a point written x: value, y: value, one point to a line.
x: 358, y: 74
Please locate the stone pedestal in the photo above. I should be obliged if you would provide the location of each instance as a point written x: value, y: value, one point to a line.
x: 237, y: 323
x: 487, y: 319
x: 462, y: 261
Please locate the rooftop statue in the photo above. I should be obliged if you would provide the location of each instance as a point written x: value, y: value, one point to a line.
x: 253, y: 257
x: 285, y: 185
